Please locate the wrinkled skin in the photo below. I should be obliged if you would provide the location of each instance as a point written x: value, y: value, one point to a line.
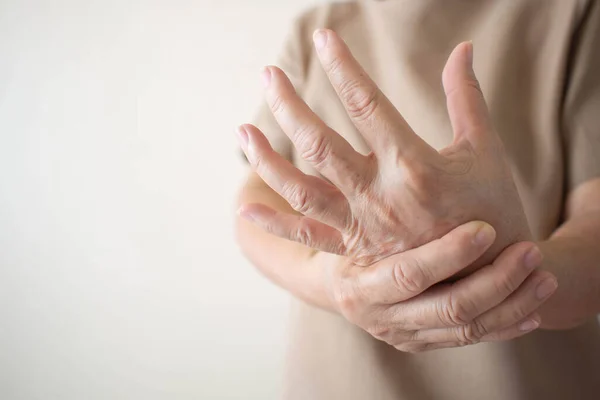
x: 390, y: 228
x: 400, y: 300
x: 403, y: 194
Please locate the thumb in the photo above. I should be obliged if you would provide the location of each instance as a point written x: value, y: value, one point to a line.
x: 464, y: 99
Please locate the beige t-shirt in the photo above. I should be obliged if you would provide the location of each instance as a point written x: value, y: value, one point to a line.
x: 538, y: 62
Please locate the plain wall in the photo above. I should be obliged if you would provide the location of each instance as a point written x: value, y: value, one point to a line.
x: 119, y: 275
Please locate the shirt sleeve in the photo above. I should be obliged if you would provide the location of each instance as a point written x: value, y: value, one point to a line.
x: 581, y: 111
x: 293, y: 60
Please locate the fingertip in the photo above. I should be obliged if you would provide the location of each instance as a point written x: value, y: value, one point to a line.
x: 327, y: 39
x: 242, y: 135
x: 464, y: 51
x: 546, y: 288
x: 531, y: 324
x: 532, y: 258
x: 248, y: 130
x: 320, y: 37
x: 459, y: 64
x: 253, y: 141
x: 469, y: 51
x: 265, y: 76
x: 484, y: 234
x: 245, y: 213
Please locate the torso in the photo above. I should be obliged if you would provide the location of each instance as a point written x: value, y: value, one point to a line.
x: 521, y: 56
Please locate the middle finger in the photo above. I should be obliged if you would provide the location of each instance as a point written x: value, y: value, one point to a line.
x: 318, y: 144
x: 380, y: 123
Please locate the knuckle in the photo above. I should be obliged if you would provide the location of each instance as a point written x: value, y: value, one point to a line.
x: 358, y: 185
x: 464, y: 160
x: 506, y: 284
x: 268, y: 226
x: 409, y: 277
x: 297, y: 197
x: 518, y: 313
x: 318, y: 150
x: 421, y: 182
x: 303, y: 234
x: 361, y: 100
x: 455, y: 311
x: 470, y: 333
x: 473, y: 83
x: 469, y: 83
x: 379, y: 331
x: 360, y: 182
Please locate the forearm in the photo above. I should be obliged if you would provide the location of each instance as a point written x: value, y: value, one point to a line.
x: 281, y: 260
x: 573, y: 255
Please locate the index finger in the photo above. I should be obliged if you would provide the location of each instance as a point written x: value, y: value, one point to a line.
x: 316, y: 142
x: 370, y: 110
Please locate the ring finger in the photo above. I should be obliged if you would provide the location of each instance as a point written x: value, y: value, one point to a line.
x: 308, y: 195
x: 525, y: 301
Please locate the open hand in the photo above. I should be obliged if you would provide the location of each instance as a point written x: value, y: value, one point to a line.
x: 403, y: 194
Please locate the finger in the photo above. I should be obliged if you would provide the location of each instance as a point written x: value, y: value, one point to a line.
x: 460, y: 303
x: 534, y: 292
x: 406, y: 275
x: 466, y: 105
x: 309, y: 195
x: 421, y: 347
x: 528, y: 325
x: 382, y: 126
x: 318, y: 144
x: 304, y: 230
x: 490, y: 286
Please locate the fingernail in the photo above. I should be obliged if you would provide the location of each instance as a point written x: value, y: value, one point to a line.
x: 320, y: 38
x: 485, y: 235
x: 470, y: 53
x: 529, y: 325
x: 546, y: 288
x: 265, y: 76
x: 242, y: 137
x: 533, y: 258
x: 245, y: 214
x: 246, y: 143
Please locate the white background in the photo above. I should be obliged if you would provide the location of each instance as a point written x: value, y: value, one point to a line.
x: 119, y: 275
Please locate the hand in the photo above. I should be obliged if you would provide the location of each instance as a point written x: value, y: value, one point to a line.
x: 398, y: 299
x: 403, y: 194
